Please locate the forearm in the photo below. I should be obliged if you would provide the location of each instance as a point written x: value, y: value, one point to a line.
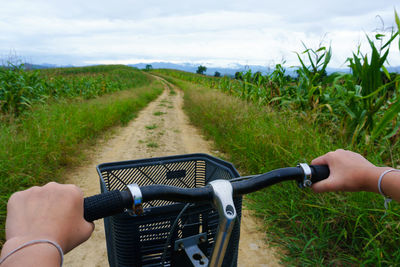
x: 390, y: 184
x: 38, y: 254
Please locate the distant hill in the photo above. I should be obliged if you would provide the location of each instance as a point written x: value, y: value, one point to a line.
x: 37, y: 66
x: 191, y: 67
x: 44, y: 66
x: 230, y: 71
x: 394, y: 69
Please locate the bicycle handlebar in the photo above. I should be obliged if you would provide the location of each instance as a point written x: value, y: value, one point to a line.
x: 114, y: 202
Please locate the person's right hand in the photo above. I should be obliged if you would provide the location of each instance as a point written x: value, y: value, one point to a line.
x: 349, y: 171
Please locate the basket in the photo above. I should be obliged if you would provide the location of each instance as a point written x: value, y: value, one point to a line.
x: 140, y: 240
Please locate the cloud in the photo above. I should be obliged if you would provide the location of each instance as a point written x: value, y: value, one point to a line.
x: 79, y: 32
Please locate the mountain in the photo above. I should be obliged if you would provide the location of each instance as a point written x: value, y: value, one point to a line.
x: 30, y: 66
x: 394, y: 69
x: 230, y: 70
x: 191, y: 67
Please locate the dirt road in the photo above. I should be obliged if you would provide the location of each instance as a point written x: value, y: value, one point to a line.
x: 161, y: 129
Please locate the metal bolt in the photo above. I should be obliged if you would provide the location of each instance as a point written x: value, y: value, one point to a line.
x: 307, y: 183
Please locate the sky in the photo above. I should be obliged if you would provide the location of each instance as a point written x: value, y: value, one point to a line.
x: 214, y: 33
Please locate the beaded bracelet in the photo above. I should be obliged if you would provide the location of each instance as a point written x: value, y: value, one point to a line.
x: 36, y: 242
x: 387, y: 199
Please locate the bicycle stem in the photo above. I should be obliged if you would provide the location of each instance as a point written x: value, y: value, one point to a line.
x: 223, y: 201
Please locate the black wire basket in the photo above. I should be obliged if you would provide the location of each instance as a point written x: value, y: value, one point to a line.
x: 143, y: 240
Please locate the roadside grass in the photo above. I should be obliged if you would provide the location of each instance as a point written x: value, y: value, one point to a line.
x: 45, y: 141
x: 332, y: 229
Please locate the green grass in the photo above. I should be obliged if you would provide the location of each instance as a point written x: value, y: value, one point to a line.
x: 331, y: 229
x: 159, y: 113
x: 151, y: 127
x: 41, y: 144
x: 152, y: 145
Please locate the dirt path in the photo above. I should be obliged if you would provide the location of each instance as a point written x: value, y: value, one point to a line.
x: 161, y: 129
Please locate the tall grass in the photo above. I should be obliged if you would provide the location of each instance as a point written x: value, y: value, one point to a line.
x: 42, y: 143
x: 332, y: 229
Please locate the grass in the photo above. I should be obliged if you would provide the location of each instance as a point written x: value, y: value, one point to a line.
x: 151, y: 127
x: 152, y: 145
x: 41, y: 144
x: 159, y: 113
x: 332, y: 229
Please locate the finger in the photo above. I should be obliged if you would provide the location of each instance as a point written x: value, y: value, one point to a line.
x: 321, y: 160
x: 323, y: 186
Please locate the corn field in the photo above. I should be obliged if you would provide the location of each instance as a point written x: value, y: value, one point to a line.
x: 20, y: 88
x: 364, y: 103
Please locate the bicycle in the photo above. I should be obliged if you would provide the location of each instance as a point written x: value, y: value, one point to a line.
x: 148, y: 224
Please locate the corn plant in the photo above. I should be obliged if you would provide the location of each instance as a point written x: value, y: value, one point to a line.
x: 369, y: 89
x: 20, y: 89
x: 310, y: 87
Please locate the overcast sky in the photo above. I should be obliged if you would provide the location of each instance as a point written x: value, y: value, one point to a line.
x: 215, y: 33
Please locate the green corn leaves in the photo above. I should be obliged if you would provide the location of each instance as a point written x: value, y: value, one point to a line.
x: 20, y: 88
x: 398, y: 24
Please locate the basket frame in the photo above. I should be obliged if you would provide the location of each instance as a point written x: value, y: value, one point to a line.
x: 129, y: 248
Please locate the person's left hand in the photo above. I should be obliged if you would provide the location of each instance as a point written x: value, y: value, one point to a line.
x: 53, y: 212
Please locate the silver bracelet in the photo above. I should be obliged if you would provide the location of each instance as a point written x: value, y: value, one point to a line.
x: 36, y: 242
x: 387, y: 199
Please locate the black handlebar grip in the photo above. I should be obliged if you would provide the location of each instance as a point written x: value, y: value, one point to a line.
x: 319, y: 173
x: 106, y: 204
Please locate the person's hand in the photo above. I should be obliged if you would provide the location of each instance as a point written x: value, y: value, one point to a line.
x: 53, y: 212
x: 349, y: 171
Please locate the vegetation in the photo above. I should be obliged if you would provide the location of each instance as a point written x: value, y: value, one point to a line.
x: 261, y: 121
x: 151, y: 127
x: 46, y: 137
x: 20, y: 89
x: 277, y: 121
x: 328, y: 229
x: 364, y: 104
x: 201, y: 69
